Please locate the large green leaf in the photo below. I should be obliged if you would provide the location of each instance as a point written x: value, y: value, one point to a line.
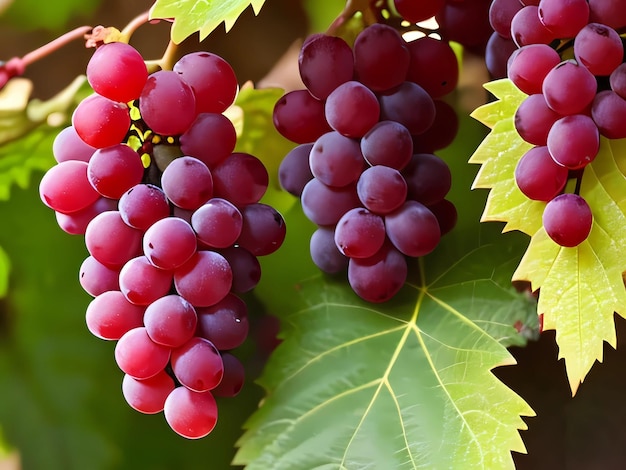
x: 191, y: 16
x: 403, y: 385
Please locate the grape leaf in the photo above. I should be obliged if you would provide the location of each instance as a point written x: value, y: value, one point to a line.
x: 401, y: 385
x: 580, y: 287
x: 191, y: 16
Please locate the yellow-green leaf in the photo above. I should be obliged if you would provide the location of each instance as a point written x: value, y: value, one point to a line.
x: 580, y: 288
x: 203, y: 16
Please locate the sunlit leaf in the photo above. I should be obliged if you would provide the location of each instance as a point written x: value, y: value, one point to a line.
x: 580, y: 288
x: 204, y: 16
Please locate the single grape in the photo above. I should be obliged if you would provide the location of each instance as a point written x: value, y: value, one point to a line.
x: 142, y: 205
x: 114, y: 170
x: 117, y: 71
x: 336, y: 160
x: 612, y: 14
x: 299, y: 117
x: 65, y: 187
x: 442, y: 131
x: 564, y: 17
x: 574, y: 141
x: 169, y: 243
x: 567, y: 219
x: 388, y: 143
x: 142, y: 283
x: 416, y: 12
x: 197, y: 364
x: 110, y: 315
x: 68, y: 145
x: 101, y: 122
x: 217, y: 223
x: 167, y: 103
x: 210, y: 138
x: 413, y: 229
x: 428, y: 178
x: 148, y: 395
x: 538, y: 176
x: 241, y: 179
x: 607, y: 111
x: 263, y: 230
x: 465, y: 22
x: 381, y: 189
x: 294, y: 171
x: 501, y: 13
x: 446, y: 214
x: 527, y: 28
x: 352, y: 109
x: 233, y: 379
x: 434, y: 66
x: 497, y: 54
x: 359, y: 233
x: 170, y: 320
x: 321, y: 54
x: 410, y: 105
x: 599, y: 48
x: 324, y: 205
x: 224, y: 324
x: 381, y: 58
x: 111, y: 241
x: 534, y: 118
x: 529, y: 65
x: 187, y: 182
x: 212, y: 79
x: 140, y: 357
x: 617, y: 80
x: 96, y: 278
x: 205, y: 279
x: 190, y: 414
x: 379, y: 277
x: 324, y: 251
x: 569, y: 88
x: 75, y: 223
x: 245, y: 267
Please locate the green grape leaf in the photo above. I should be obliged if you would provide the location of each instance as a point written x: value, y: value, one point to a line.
x: 401, y: 385
x: 581, y: 287
x: 191, y: 16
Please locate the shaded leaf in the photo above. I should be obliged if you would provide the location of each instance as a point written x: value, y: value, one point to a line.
x: 191, y: 16
x: 405, y: 384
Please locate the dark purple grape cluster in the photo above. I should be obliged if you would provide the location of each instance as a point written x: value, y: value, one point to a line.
x: 568, y: 59
x: 367, y: 125
x: 173, y: 225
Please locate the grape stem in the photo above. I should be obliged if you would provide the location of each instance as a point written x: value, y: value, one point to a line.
x: 352, y: 8
x: 135, y: 24
x: 17, y: 65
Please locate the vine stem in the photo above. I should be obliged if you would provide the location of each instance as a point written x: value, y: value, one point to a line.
x: 135, y: 24
x: 54, y: 45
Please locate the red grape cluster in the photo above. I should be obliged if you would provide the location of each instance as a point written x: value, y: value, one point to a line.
x: 367, y: 125
x: 568, y: 59
x: 172, y: 223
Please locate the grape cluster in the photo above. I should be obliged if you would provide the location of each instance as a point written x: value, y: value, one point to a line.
x: 569, y: 61
x: 173, y: 225
x: 367, y: 125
